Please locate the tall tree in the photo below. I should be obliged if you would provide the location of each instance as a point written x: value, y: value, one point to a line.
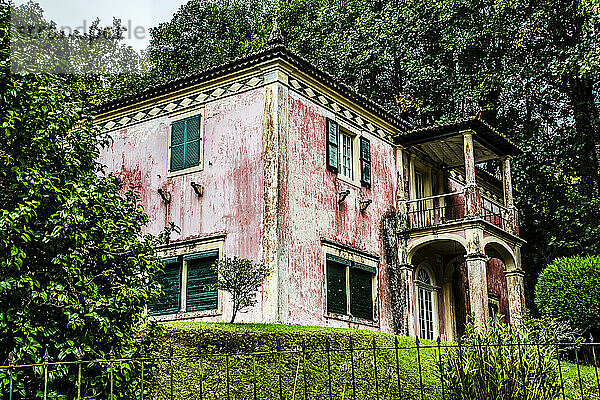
x: 75, y: 269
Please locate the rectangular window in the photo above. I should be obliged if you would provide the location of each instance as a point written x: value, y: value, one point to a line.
x: 349, y: 288
x: 185, y: 143
x: 201, y: 278
x: 419, y: 194
x: 346, y: 155
x: 170, y: 282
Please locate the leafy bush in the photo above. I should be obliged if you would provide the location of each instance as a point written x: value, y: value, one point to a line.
x: 502, y: 362
x: 569, y: 289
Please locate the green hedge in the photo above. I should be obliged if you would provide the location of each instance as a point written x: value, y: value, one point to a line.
x: 569, y: 290
x: 200, y: 348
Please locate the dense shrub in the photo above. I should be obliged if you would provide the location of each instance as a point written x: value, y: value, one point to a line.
x: 489, y: 365
x: 569, y: 289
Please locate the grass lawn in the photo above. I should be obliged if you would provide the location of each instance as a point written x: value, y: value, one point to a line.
x: 252, y: 364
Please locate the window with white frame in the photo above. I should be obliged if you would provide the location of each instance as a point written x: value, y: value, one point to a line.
x: 346, y: 156
x: 426, y: 304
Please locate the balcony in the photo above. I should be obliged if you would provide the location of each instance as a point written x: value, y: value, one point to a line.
x: 447, y: 208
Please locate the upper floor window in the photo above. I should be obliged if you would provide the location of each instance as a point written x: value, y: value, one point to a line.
x: 342, y: 156
x: 186, y: 143
x: 346, y: 155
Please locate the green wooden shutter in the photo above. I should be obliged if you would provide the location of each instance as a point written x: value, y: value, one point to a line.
x: 332, y: 145
x: 177, y: 146
x: 192, y: 142
x: 361, y: 293
x: 336, y: 287
x: 170, y: 282
x: 365, y: 162
x: 199, y: 276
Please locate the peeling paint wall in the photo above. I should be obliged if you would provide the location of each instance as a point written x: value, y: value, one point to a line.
x: 312, y: 212
x: 232, y: 176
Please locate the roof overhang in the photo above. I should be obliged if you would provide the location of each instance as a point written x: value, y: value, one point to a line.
x: 443, y: 143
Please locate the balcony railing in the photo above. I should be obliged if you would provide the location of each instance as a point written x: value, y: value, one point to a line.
x: 450, y: 207
x: 436, y: 210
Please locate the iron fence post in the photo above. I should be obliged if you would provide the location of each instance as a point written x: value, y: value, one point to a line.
x: 201, y: 375
x: 420, y: 369
x: 375, y: 369
x: 171, y: 369
x: 595, y: 362
x: 227, y: 371
x: 111, y: 357
x: 304, y: 369
x: 460, y: 367
x: 10, y: 377
x: 562, y: 382
x: 578, y: 372
x: 279, y: 369
x: 46, y: 374
x: 79, y: 356
x: 439, y: 346
x: 352, y: 369
x: 142, y: 353
x: 397, y: 367
x: 254, y: 376
x: 328, y: 366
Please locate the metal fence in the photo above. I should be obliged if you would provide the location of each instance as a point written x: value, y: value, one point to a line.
x: 340, y: 369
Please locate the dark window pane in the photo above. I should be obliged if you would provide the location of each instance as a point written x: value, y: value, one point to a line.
x: 170, y: 281
x: 336, y: 288
x: 361, y: 293
x: 200, y: 276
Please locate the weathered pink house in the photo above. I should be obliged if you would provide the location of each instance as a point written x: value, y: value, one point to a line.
x: 365, y: 221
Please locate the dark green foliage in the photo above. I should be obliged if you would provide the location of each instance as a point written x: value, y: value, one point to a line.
x: 569, y: 290
x: 75, y: 269
x: 240, y: 278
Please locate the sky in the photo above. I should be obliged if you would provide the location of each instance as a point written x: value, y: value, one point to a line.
x: 137, y: 15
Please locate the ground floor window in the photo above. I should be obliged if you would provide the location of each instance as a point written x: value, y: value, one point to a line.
x: 350, y: 288
x: 426, y: 304
x: 187, y: 284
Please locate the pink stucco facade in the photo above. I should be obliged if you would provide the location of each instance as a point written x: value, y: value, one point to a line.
x: 267, y: 195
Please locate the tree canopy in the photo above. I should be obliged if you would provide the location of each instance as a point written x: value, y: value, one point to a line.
x: 75, y: 269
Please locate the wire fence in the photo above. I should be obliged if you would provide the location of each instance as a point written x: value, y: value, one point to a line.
x: 327, y: 370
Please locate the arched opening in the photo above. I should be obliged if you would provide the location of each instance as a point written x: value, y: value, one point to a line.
x: 437, y: 281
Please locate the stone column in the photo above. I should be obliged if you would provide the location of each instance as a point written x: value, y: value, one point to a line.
x: 516, y: 295
x: 401, y: 205
x: 510, y: 217
x: 472, y: 196
x: 476, y: 263
x: 407, y: 272
x: 478, y: 291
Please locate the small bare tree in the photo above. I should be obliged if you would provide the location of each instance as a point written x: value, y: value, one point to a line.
x: 241, y: 278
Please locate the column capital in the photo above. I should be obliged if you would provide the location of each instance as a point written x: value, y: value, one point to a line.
x: 406, y: 267
x: 514, y: 272
x: 476, y: 257
x: 468, y: 132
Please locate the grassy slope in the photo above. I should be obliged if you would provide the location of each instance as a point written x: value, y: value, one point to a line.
x: 199, y: 348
